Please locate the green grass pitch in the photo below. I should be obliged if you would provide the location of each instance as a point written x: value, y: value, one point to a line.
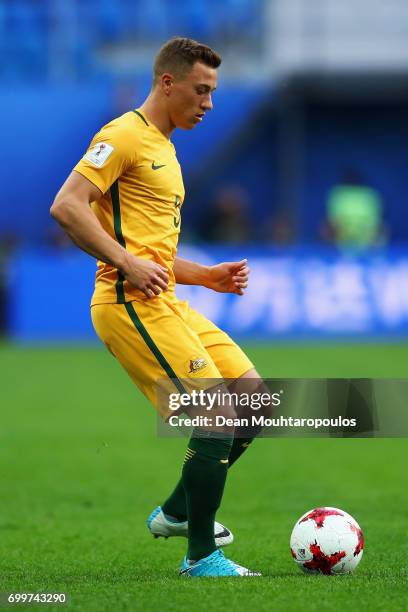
x: 82, y: 467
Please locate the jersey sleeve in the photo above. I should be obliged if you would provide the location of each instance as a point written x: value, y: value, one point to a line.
x: 112, y: 151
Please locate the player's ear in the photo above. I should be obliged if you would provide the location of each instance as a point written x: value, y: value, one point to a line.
x: 166, y: 82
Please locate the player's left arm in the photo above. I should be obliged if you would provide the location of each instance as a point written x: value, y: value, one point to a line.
x: 226, y: 277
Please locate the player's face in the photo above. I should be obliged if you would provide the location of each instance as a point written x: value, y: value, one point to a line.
x: 190, y: 98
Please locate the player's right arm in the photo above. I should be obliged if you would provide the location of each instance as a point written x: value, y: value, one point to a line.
x: 71, y: 209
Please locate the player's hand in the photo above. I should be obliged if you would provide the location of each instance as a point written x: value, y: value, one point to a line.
x: 146, y: 275
x: 229, y: 277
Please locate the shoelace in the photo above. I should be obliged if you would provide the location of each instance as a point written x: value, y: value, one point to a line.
x: 222, y: 563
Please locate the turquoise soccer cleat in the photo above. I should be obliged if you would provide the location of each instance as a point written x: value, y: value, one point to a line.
x: 160, y: 526
x: 215, y: 565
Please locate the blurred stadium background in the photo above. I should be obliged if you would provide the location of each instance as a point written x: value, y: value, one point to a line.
x: 301, y: 167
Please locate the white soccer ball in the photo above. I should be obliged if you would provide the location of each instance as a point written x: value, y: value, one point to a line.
x: 327, y: 541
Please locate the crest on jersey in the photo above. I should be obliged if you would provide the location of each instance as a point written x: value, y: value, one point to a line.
x: 99, y: 153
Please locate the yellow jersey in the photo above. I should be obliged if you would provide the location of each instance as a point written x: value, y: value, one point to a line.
x: 136, y: 168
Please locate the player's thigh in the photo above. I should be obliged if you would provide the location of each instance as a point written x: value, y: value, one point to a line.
x: 154, y: 346
x: 228, y: 357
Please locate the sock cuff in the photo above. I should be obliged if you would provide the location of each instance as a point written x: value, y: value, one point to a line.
x: 211, y: 446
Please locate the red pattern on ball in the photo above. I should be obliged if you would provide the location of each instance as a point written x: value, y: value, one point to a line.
x: 360, y: 544
x: 321, y: 562
x: 319, y: 514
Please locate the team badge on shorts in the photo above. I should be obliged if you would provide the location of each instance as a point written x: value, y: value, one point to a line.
x: 196, y: 365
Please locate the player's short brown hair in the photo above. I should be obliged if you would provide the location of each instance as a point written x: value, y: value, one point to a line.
x: 178, y: 55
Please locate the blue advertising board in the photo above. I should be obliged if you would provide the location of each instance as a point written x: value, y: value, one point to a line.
x: 302, y: 293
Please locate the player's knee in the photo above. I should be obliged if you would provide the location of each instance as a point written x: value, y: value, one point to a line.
x: 226, y: 410
x: 223, y: 413
x: 253, y: 394
x: 214, y: 409
x: 266, y: 400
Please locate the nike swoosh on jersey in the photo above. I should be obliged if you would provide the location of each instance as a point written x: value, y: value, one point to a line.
x: 157, y: 167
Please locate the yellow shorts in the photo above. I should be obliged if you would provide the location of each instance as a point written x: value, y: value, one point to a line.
x: 164, y: 337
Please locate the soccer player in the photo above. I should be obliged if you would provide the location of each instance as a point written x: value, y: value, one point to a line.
x: 122, y: 204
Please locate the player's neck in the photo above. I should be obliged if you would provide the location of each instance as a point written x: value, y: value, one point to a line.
x: 156, y: 114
